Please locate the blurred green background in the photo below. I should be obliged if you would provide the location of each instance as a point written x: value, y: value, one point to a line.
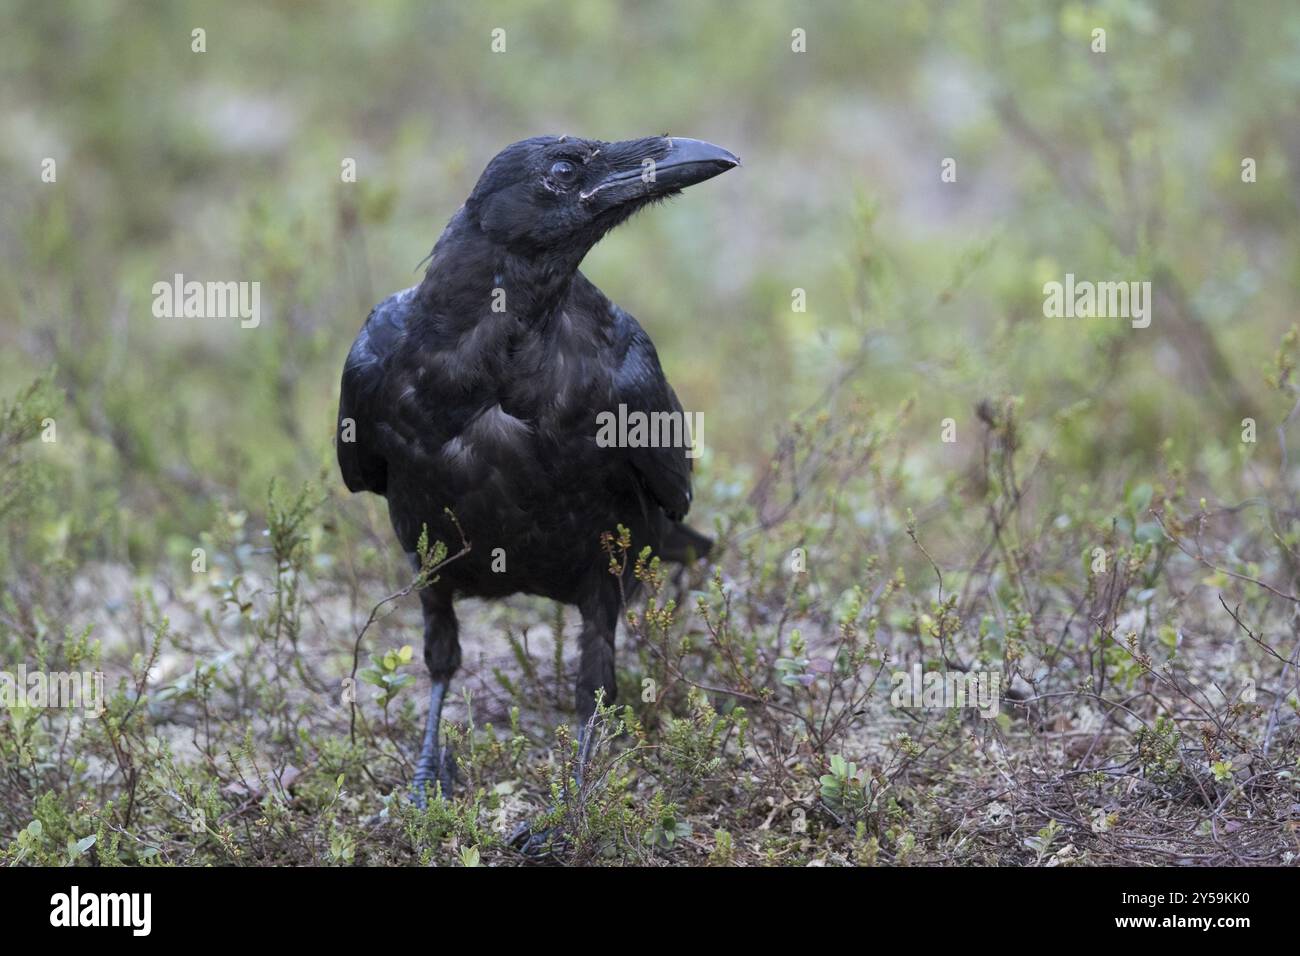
x: 225, y: 165
x: 1098, y: 530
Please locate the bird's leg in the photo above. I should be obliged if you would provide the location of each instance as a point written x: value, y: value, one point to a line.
x: 587, y: 734
x: 595, y: 674
x: 431, y: 766
x: 442, y: 658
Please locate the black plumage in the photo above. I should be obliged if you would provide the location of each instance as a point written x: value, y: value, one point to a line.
x: 478, y: 391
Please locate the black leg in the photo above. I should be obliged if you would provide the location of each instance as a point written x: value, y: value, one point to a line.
x: 432, y: 764
x: 442, y: 658
x: 596, y: 666
x: 595, y: 673
x: 596, y: 669
x: 586, y: 731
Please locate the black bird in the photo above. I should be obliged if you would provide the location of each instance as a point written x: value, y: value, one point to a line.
x: 479, y: 391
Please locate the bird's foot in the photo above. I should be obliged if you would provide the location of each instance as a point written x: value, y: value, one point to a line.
x: 440, y: 769
x: 540, y: 839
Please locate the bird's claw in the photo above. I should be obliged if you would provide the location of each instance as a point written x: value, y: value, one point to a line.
x: 536, y: 841
x: 442, y: 771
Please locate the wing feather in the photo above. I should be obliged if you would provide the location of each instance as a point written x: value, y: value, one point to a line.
x: 640, y: 384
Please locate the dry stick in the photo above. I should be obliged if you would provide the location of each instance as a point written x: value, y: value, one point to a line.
x: 1251, y: 634
x: 943, y: 641
x: 677, y: 675
x: 1214, y: 567
x: 727, y: 691
x: 422, y: 579
x: 1287, y: 665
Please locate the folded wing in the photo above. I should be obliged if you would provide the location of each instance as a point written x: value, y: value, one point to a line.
x: 640, y: 384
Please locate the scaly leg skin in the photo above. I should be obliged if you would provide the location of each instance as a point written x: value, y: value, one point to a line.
x: 535, y: 840
x: 435, y: 764
x: 442, y: 658
x: 595, y: 673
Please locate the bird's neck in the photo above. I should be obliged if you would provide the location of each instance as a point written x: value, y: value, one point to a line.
x: 471, y: 277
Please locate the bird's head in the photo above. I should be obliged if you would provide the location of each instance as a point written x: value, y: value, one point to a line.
x: 557, y: 195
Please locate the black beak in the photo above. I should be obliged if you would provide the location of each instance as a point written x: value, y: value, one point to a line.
x: 691, y: 161
x: 650, y: 168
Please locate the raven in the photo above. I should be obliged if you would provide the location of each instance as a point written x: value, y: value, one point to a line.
x: 471, y: 401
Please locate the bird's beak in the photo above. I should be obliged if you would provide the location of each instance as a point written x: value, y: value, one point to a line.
x: 649, y: 168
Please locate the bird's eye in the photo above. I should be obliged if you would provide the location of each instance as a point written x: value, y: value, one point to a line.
x: 563, y: 171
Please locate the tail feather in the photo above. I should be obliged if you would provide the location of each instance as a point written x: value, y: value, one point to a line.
x: 685, y: 545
